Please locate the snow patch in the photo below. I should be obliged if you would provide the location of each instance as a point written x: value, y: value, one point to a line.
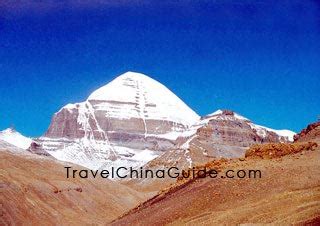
x: 188, y: 158
x: 261, y: 130
x: 15, y: 138
x: 217, y: 112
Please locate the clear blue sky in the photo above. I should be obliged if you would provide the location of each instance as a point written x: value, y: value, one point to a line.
x: 261, y: 60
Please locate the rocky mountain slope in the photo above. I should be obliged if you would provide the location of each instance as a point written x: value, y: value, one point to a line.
x: 311, y: 133
x: 222, y: 134
x: 35, y: 191
x: 288, y: 192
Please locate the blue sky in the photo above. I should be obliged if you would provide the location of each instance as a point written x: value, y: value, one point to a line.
x: 261, y: 60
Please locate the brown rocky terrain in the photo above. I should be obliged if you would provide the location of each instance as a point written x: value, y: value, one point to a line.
x: 288, y: 191
x: 312, y: 132
x: 35, y: 191
x: 276, y: 150
x: 223, y: 134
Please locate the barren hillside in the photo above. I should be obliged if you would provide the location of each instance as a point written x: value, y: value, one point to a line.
x: 35, y: 190
x: 288, y: 192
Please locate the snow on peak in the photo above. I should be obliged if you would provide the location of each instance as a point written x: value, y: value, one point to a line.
x: 8, y: 131
x: 135, y: 75
x: 217, y: 112
x: 137, y: 95
x: 124, y: 87
x: 226, y: 114
x: 15, y: 138
x: 222, y: 115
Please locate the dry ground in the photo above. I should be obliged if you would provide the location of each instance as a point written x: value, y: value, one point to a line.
x: 287, y: 193
x: 34, y: 191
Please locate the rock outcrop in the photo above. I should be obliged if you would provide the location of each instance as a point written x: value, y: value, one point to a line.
x: 312, y: 132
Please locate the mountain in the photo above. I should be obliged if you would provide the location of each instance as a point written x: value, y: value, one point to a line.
x: 36, y: 191
x: 15, y: 138
x: 222, y: 134
x: 129, y: 121
x: 134, y: 119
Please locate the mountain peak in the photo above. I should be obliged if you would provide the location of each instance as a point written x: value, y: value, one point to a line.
x: 8, y: 130
x: 134, y: 75
x: 124, y: 85
x: 223, y: 114
x: 135, y: 95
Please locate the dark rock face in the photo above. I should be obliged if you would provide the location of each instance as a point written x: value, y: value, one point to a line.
x: 35, y: 148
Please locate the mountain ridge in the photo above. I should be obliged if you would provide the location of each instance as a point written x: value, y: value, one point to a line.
x: 129, y: 121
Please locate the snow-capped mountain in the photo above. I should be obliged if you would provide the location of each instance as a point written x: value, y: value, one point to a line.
x: 131, y: 120
x: 15, y: 138
x: 135, y: 119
